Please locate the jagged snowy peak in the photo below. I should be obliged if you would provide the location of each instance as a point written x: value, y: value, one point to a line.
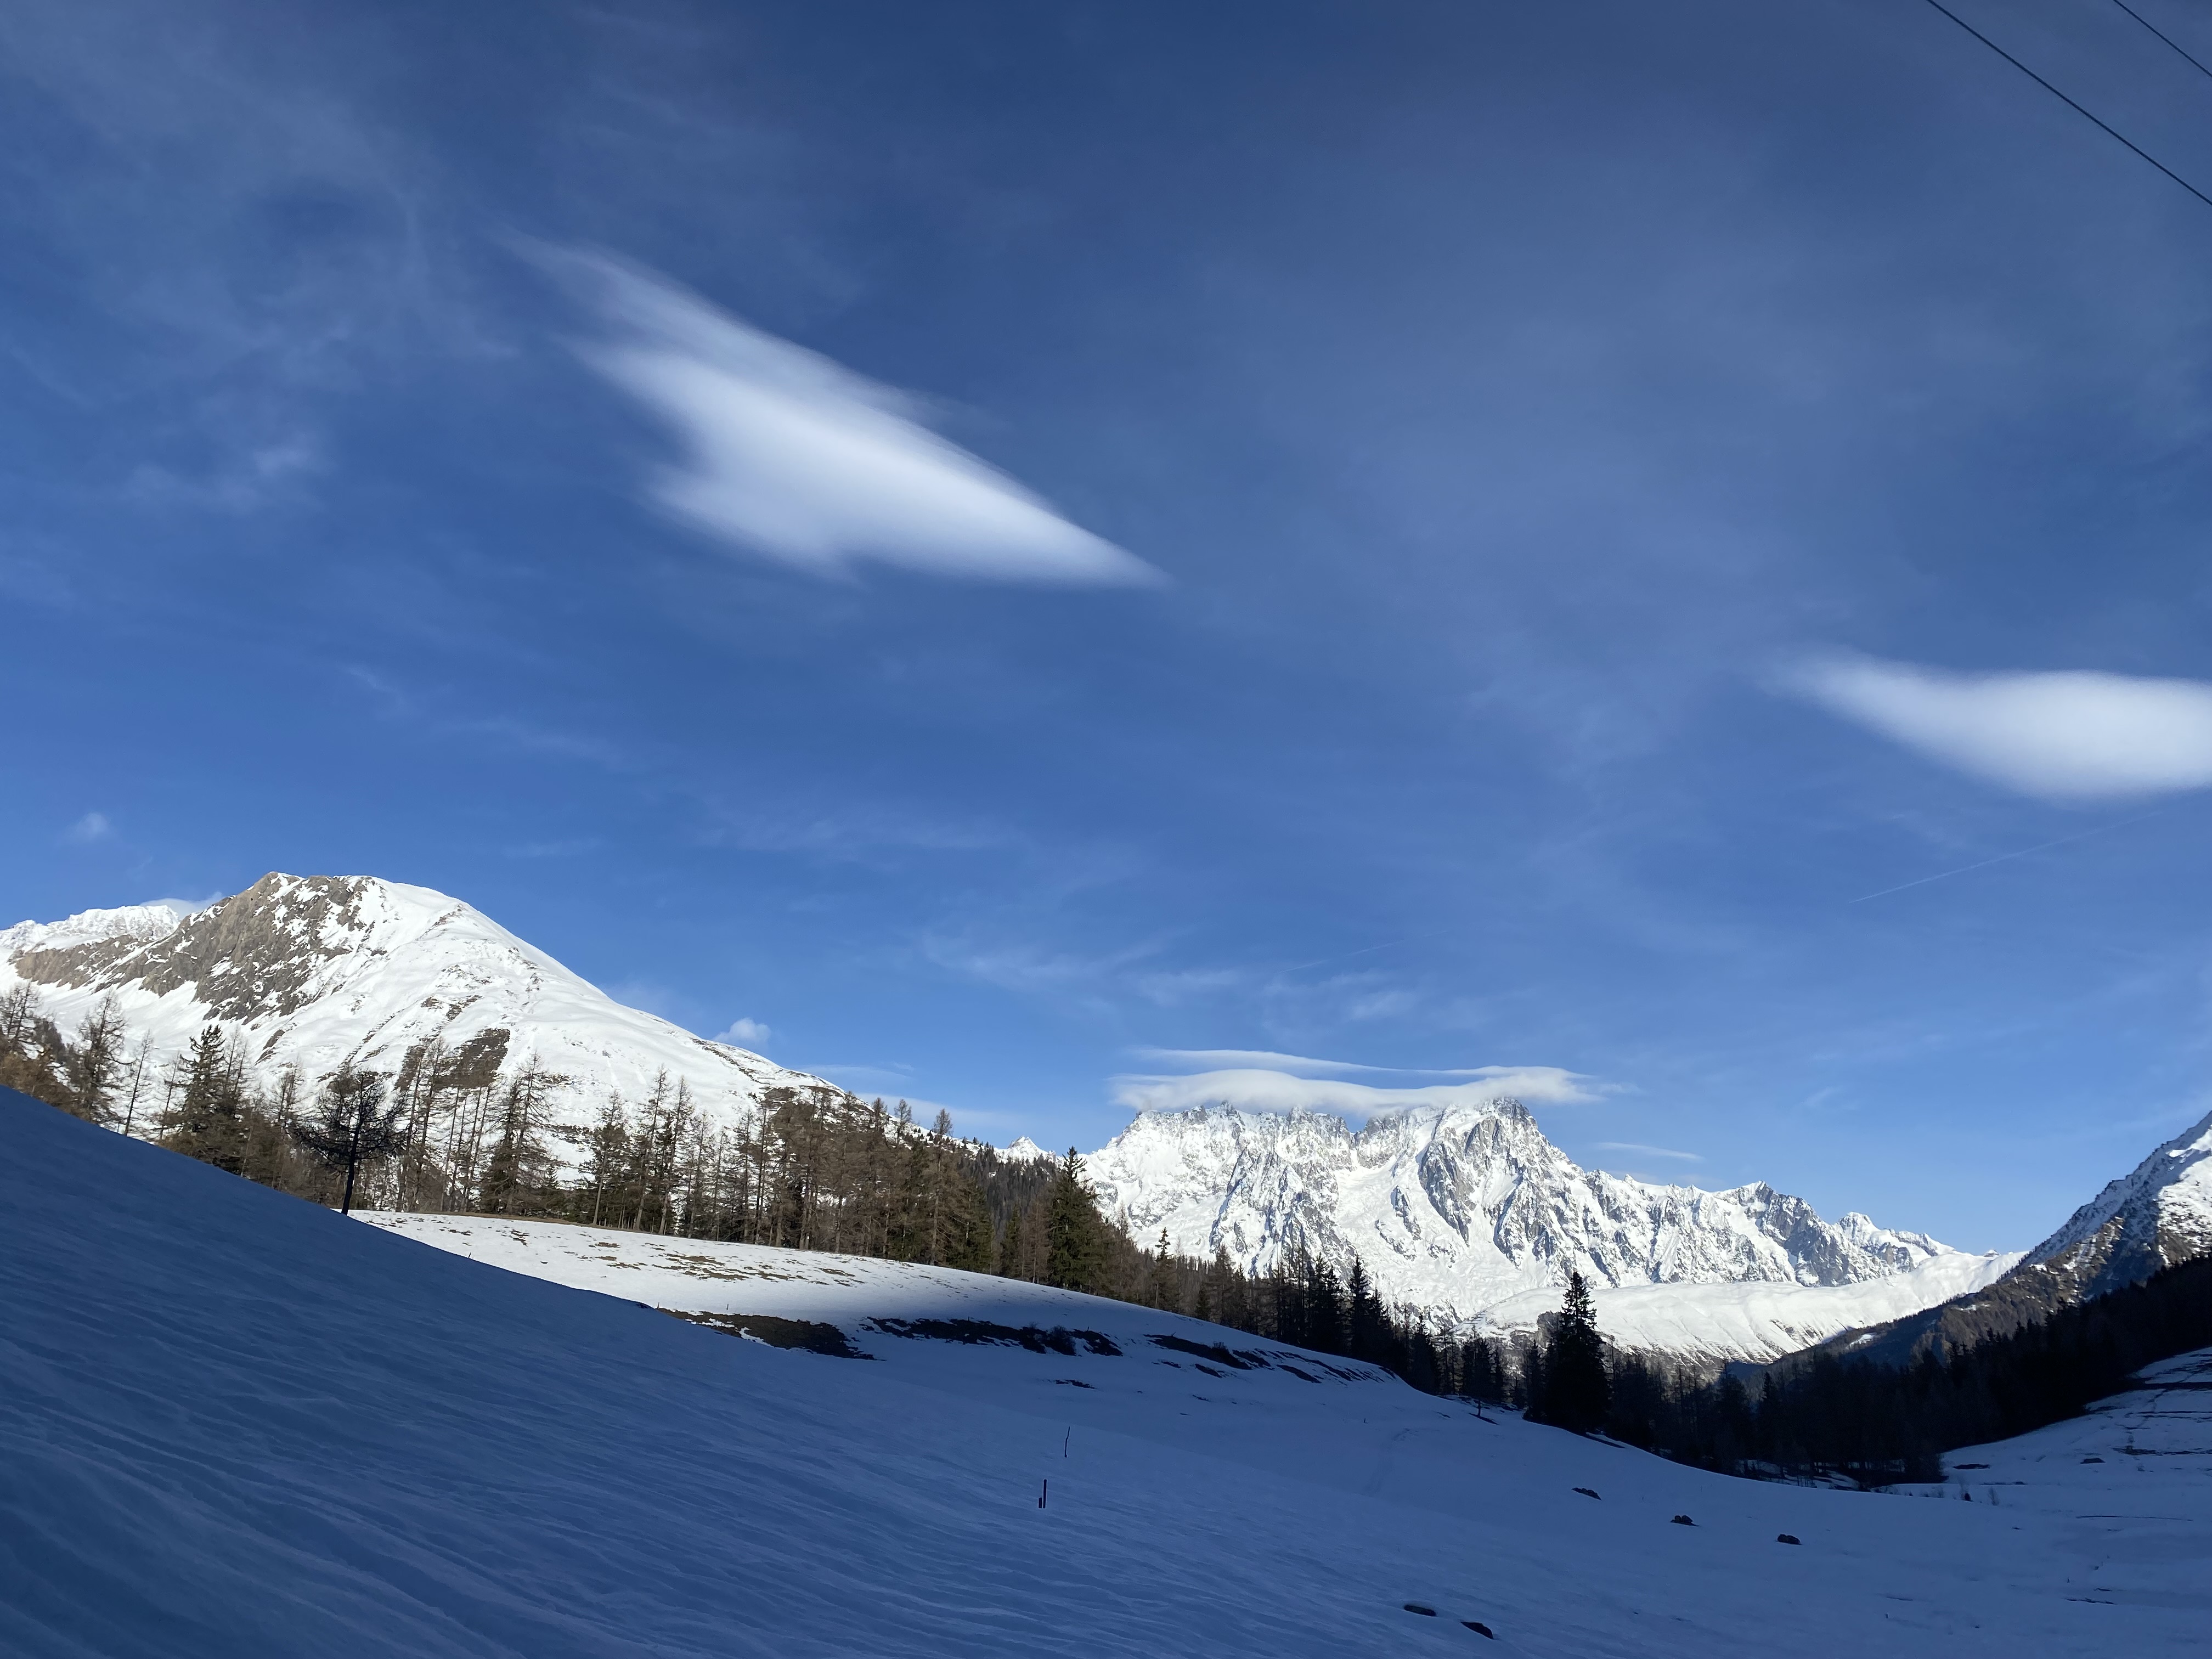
x: 1470, y: 1212
x: 2158, y: 1214
x: 1023, y: 1151
x: 320, y: 971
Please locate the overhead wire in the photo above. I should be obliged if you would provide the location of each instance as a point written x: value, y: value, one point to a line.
x: 2078, y: 109
x: 2163, y: 35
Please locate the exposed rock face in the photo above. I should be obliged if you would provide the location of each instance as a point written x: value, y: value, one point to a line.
x: 1471, y: 1213
x: 320, y: 971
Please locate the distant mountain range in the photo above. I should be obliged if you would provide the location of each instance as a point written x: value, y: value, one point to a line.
x: 1467, y: 1212
x: 1470, y: 1212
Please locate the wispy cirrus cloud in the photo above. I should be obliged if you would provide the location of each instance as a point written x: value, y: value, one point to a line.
x: 794, y: 456
x: 91, y: 827
x: 2062, y: 736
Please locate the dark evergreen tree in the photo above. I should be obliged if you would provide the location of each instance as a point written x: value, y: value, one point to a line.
x: 1369, y: 1329
x: 1576, y: 1391
x: 1075, y: 1244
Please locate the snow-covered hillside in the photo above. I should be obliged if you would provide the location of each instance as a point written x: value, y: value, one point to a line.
x: 874, y: 1303
x: 1468, y: 1212
x: 318, y: 971
x: 232, y: 1423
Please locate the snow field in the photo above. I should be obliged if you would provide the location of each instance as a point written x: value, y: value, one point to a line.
x: 234, y: 1423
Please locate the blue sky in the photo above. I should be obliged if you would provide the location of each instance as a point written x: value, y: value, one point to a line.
x: 1025, y: 548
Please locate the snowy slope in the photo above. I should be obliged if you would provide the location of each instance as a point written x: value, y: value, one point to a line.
x: 231, y: 1422
x: 1468, y: 1212
x: 318, y: 971
x: 867, y: 1299
x: 2132, y: 1481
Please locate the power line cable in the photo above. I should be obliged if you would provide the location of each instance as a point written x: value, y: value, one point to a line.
x: 2070, y: 103
x: 2154, y: 29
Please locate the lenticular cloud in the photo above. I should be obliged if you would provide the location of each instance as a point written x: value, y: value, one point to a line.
x: 1260, y: 1090
x: 2060, y: 736
x: 790, y: 455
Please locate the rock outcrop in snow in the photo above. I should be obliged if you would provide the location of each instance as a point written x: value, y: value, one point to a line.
x: 320, y: 970
x: 1470, y: 1212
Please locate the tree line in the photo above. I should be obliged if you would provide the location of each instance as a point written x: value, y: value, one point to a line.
x: 1877, y: 1423
x: 1823, y: 1415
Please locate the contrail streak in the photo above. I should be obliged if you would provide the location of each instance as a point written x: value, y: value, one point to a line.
x: 2040, y: 847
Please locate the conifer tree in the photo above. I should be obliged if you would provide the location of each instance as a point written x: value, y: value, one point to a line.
x: 206, y: 1117
x: 1164, y: 1281
x: 1075, y: 1245
x: 95, y: 1062
x: 1368, y: 1332
x: 1576, y: 1393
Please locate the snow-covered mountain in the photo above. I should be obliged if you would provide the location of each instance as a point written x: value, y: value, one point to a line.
x: 1470, y: 1212
x: 2158, y: 1214
x: 320, y: 971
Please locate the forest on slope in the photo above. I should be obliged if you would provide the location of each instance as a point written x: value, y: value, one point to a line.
x: 815, y: 1169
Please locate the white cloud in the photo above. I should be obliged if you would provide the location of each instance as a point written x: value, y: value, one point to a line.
x: 1267, y: 1058
x: 793, y: 456
x: 745, y: 1033
x: 2071, y: 736
x: 92, y: 827
x: 1264, y: 1091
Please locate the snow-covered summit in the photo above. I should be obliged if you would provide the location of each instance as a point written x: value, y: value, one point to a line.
x: 1468, y: 1211
x: 1023, y: 1151
x: 321, y: 970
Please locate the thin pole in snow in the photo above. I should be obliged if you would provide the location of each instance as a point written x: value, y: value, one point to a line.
x: 1064, y: 1439
x: 1041, y: 1492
